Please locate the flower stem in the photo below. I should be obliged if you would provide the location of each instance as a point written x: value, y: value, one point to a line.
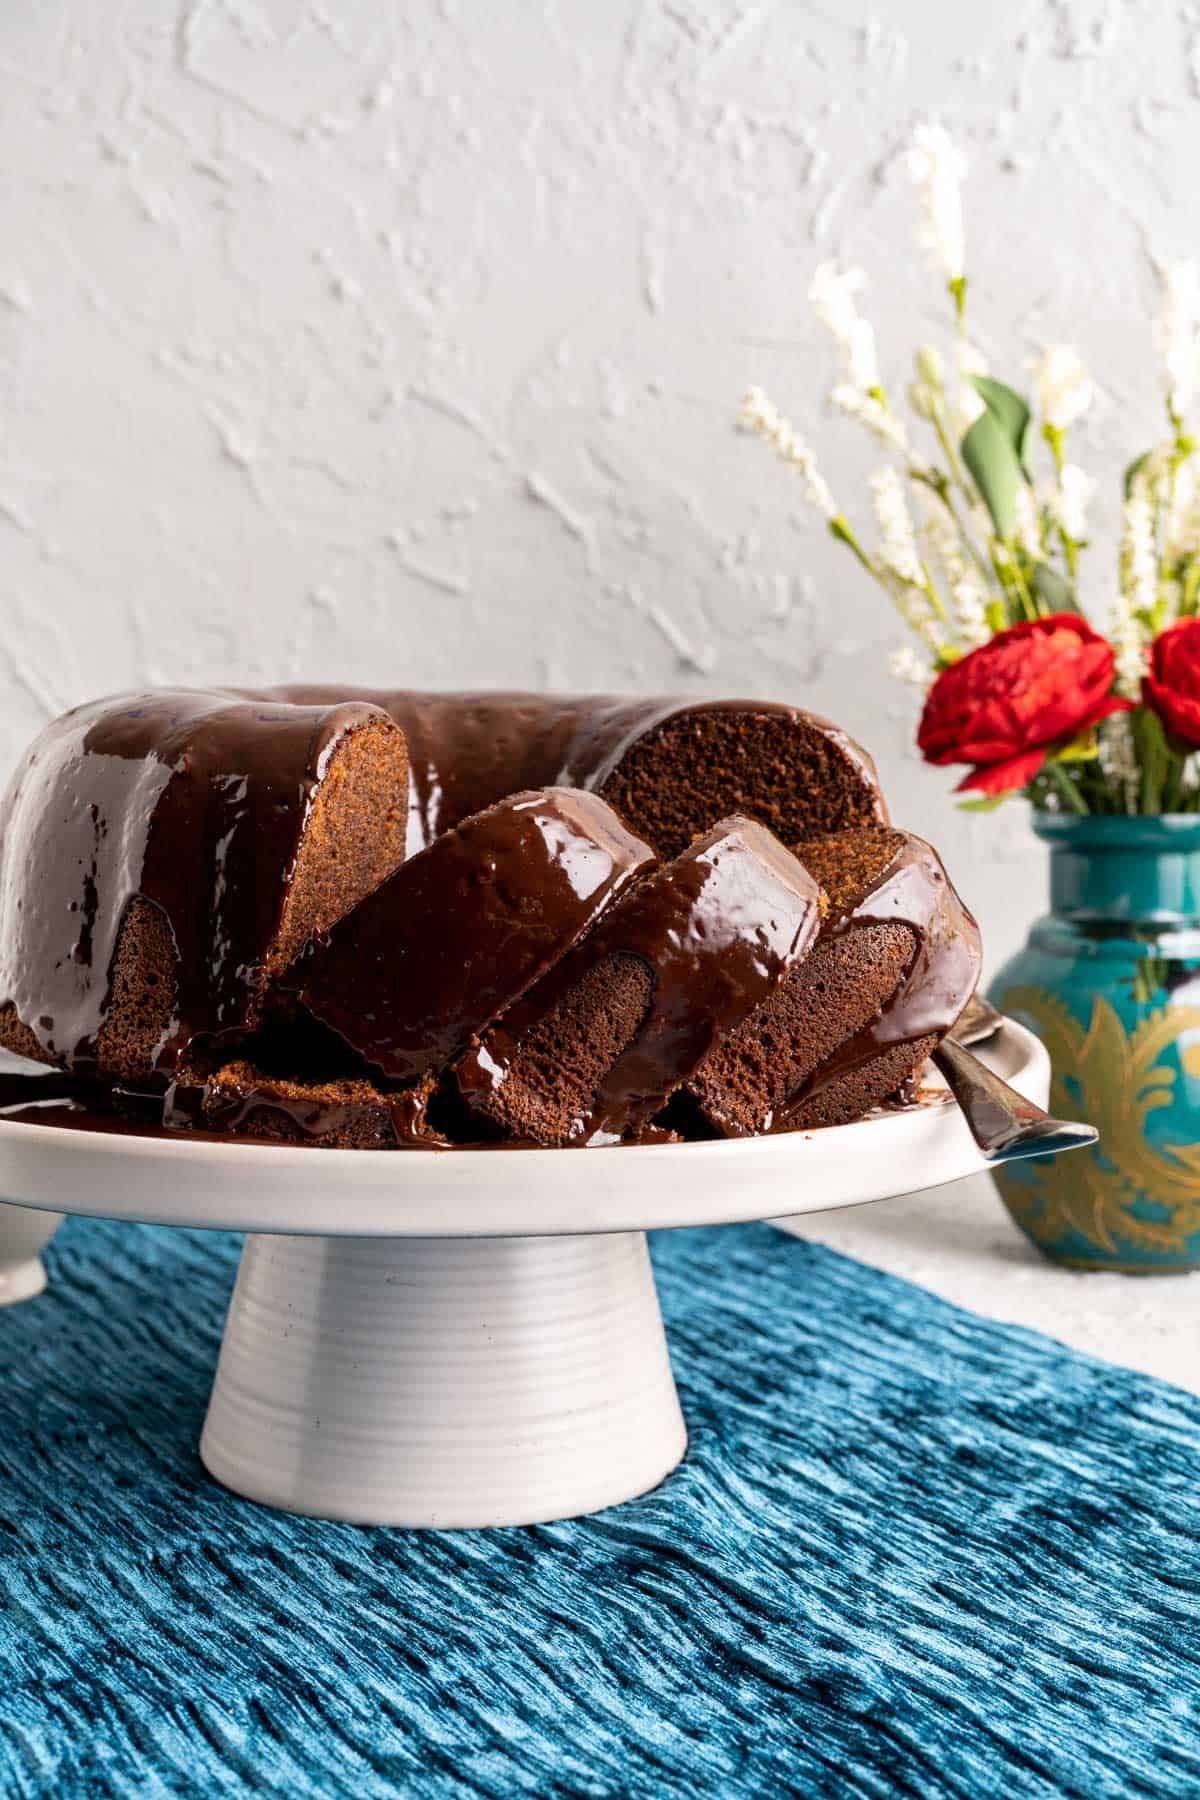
x: 937, y: 418
x: 1056, y: 438
x: 1173, y: 785
x: 1068, y: 792
x: 840, y: 528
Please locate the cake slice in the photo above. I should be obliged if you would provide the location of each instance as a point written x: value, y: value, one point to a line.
x: 460, y: 932
x: 591, y: 1052
x: 336, y: 1112
x: 163, y: 856
x: 896, y: 962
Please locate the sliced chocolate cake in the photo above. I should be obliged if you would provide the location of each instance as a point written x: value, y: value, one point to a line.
x: 896, y: 962
x: 208, y: 892
x: 594, y: 1050
x: 465, y: 927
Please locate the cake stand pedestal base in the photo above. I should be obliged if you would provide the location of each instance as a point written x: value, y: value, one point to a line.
x: 23, y: 1281
x: 444, y: 1382
x: 22, y: 1235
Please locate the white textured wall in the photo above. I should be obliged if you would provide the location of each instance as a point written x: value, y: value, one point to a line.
x: 403, y: 339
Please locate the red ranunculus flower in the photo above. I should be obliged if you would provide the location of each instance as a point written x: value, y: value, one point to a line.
x: 1172, y: 687
x: 1004, y: 704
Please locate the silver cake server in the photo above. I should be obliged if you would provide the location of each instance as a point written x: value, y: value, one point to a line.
x: 1003, y: 1123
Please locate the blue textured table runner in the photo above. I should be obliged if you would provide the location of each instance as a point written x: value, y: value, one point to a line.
x: 909, y: 1552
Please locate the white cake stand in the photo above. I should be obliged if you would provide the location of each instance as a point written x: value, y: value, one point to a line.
x: 466, y: 1338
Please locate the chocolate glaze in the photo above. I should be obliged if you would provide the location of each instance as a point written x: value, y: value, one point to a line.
x: 719, y: 928
x: 467, y: 750
x: 197, y: 801
x: 443, y: 946
x: 913, y: 890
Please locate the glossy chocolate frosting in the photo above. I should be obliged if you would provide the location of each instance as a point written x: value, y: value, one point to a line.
x: 197, y: 802
x: 463, y: 928
x: 912, y: 890
x: 718, y: 928
x: 467, y: 750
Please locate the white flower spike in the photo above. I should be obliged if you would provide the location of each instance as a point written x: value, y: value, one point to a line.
x: 1138, y: 590
x: 937, y: 169
x: 898, y: 538
x: 833, y: 296
x: 869, y: 410
x: 1069, y: 501
x: 1065, y: 390
x: 905, y: 665
x: 1179, y: 335
x: 758, y: 415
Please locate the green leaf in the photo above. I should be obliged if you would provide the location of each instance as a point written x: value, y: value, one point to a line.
x: 996, y: 471
x: 1053, y: 589
x: 1134, y: 470
x: 985, y: 803
x: 1154, y: 758
x: 1008, y: 409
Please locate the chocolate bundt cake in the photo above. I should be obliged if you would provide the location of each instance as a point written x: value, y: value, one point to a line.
x: 600, y: 1044
x: 896, y: 962
x: 375, y: 919
x: 163, y: 856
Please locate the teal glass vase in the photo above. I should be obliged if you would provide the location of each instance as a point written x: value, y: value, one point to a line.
x: 1110, y: 981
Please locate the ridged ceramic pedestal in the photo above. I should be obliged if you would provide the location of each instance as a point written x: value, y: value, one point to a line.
x: 439, y: 1382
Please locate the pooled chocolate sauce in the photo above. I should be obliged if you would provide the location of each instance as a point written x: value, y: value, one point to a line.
x: 915, y: 891
x: 719, y: 928
x: 443, y: 946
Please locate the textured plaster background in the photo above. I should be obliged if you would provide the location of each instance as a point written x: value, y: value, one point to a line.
x: 403, y: 340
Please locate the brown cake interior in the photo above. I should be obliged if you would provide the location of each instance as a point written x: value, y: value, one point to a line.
x: 352, y: 839
x: 20, y: 1039
x: 752, y: 1074
x: 781, y: 1068
x: 791, y: 774
x: 858, y: 1091
x: 142, y: 992
x: 560, y: 1062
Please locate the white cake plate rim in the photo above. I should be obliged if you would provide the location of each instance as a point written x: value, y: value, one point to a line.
x: 298, y: 1190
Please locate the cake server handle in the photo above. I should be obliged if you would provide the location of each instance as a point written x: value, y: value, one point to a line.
x: 1003, y: 1123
